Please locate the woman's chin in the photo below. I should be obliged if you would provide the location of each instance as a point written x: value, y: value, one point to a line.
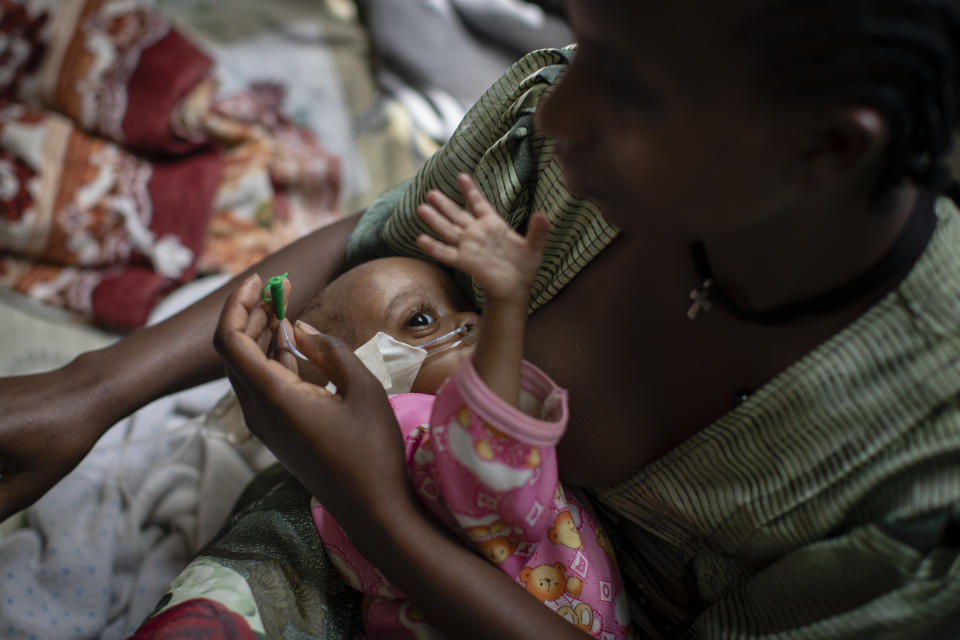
x: 582, y: 186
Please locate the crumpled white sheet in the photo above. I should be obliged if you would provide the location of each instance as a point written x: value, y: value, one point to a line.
x: 439, y: 56
x: 97, y: 552
x: 92, y: 557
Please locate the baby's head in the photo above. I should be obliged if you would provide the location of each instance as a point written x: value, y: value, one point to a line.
x: 412, y: 300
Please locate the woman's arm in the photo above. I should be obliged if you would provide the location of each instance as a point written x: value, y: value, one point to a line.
x: 51, y: 420
x: 462, y: 594
x: 347, y: 451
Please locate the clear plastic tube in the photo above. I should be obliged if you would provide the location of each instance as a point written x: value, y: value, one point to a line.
x: 468, y: 333
x: 293, y: 349
x: 465, y: 331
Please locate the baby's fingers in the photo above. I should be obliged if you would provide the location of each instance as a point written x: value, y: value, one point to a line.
x: 448, y: 208
x: 537, y: 230
x: 439, y: 251
x: 477, y: 203
x: 445, y: 230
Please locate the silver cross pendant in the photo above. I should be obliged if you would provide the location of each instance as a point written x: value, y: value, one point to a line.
x: 701, y: 299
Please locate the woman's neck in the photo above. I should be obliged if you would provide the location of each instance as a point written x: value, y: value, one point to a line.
x: 806, y: 252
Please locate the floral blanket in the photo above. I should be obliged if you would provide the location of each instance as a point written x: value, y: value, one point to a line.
x: 265, y: 576
x: 123, y: 173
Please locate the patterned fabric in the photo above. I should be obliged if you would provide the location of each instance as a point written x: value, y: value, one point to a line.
x: 279, y: 182
x: 488, y: 471
x: 826, y: 506
x: 514, y: 166
x: 111, y: 203
x: 85, y: 224
x: 193, y: 618
x: 114, y: 67
x: 90, y: 227
x: 324, y: 56
x: 267, y: 568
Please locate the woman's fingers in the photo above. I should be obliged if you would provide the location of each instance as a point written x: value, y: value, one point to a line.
x: 235, y: 314
x: 281, y: 350
x: 287, y: 288
x: 238, y: 337
x: 243, y: 323
x: 338, y: 362
x: 325, y: 353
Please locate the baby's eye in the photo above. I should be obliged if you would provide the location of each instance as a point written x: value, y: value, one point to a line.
x: 420, y: 319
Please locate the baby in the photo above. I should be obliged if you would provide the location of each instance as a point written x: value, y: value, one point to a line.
x: 479, y: 423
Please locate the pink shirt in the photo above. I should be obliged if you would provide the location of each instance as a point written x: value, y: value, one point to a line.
x: 489, y: 471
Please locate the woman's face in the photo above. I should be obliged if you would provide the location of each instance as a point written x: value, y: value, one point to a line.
x: 658, y: 120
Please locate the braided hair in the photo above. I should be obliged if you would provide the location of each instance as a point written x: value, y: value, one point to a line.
x: 900, y: 57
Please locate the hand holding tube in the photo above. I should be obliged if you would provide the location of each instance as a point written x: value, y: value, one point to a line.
x: 345, y: 447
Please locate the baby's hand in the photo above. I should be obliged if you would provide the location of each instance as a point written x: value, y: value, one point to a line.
x: 478, y: 241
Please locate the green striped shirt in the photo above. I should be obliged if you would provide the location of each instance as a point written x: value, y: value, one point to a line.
x: 828, y: 505
x: 514, y: 165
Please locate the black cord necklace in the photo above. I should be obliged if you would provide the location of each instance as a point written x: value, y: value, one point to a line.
x: 896, y: 262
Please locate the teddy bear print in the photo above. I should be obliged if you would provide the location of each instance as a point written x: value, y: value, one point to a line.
x: 494, y: 540
x: 580, y: 615
x: 603, y: 541
x: 564, y: 531
x: 496, y: 550
x: 549, y: 584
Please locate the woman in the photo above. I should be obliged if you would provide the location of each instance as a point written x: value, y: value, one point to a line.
x: 763, y: 363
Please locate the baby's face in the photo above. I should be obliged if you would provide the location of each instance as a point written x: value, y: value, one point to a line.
x: 412, y: 300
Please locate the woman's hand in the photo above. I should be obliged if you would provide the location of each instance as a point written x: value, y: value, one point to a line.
x: 345, y: 447
x: 347, y: 450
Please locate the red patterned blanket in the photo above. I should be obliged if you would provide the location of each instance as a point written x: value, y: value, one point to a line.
x: 115, y: 157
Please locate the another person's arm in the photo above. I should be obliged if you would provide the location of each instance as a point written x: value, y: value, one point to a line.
x: 51, y: 420
x: 347, y: 451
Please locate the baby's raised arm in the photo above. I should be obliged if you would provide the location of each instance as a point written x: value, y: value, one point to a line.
x: 478, y: 241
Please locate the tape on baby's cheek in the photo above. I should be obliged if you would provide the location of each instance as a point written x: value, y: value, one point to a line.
x: 370, y: 356
x: 395, y: 364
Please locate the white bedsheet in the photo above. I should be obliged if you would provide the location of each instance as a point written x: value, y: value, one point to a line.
x: 93, y: 556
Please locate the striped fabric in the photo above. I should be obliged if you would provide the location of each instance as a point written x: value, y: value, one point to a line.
x: 828, y: 505
x: 514, y: 165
